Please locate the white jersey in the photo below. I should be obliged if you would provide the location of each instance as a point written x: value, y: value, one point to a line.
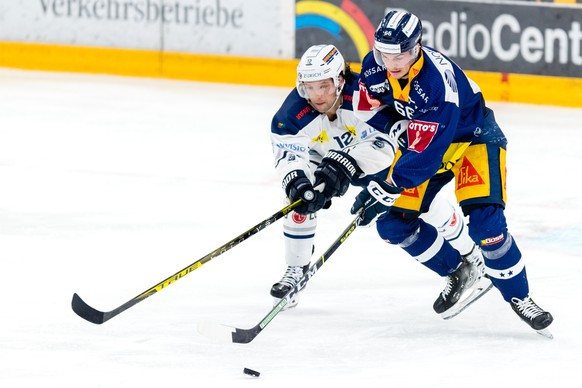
x: 301, y: 136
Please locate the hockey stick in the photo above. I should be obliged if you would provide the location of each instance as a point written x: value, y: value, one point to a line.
x: 231, y: 334
x: 98, y: 317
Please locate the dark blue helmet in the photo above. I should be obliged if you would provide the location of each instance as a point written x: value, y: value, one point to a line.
x: 398, y: 32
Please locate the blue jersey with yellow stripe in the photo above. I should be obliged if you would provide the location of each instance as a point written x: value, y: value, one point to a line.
x: 445, y: 108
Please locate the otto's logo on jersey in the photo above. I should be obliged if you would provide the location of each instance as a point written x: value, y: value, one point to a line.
x: 367, y: 102
x: 492, y: 240
x: 420, y: 134
x: 468, y: 175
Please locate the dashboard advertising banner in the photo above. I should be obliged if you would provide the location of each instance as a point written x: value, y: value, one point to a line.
x: 518, y: 37
x: 233, y: 27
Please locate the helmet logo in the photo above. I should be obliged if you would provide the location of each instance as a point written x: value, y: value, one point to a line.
x: 330, y: 55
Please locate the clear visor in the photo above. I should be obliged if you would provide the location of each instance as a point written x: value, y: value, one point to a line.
x: 396, y: 58
x: 312, y: 89
x: 378, y: 57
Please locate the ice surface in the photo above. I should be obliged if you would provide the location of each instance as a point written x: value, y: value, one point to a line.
x: 108, y: 185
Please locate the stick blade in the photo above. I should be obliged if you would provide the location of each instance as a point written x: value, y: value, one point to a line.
x: 227, y: 334
x: 87, y: 312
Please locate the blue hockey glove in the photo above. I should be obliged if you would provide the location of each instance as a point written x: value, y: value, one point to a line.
x: 336, y: 170
x: 375, y: 200
x: 296, y: 185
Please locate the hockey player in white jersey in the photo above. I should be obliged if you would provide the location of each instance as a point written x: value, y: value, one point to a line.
x: 320, y: 148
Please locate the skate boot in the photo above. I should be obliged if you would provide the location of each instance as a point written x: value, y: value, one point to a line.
x: 464, y: 286
x: 533, y: 315
x: 475, y: 257
x: 291, y: 277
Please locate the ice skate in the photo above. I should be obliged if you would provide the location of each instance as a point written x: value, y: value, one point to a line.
x: 475, y: 257
x: 291, y: 277
x: 464, y: 286
x: 533, y: 315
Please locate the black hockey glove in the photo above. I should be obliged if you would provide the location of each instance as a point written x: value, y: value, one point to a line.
x: 375, y: 200
x: 296, y: 185
x: 336, y: 170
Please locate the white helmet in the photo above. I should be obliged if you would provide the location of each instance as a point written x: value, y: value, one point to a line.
x: 318, y: 63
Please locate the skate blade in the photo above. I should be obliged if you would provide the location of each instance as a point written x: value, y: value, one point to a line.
x: 292, y: 303
x: 476, y: 291
x: 545, y: 333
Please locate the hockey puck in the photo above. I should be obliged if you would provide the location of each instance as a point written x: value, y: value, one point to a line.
x: 251, y: 372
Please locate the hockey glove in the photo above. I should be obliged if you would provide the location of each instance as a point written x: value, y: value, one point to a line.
x: 336, y: 171
x: 375, y: 200
x: 397, y: 133
x: 296, y: 185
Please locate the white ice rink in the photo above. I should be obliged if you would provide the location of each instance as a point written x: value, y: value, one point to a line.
x: 108, y: 185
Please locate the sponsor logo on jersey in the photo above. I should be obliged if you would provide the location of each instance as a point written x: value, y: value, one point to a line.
x: 413, y: 192
x: 468, y: 175
x: 492, y: 240
x: 351, y: 129
x: 303, y: 112
x: 291, y: 147
x: 454, y: 220
x: 378, y: 144
x: 380, y: 88
x: 420, y: 91
x: 298, y: 218
x: 321, y: 138
x: 420, y: 134
x: 374, y: 70
x: 367, y: 102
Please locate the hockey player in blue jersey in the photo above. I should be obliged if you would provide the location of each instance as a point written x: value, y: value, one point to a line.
x: 451, y: 135
x: 319, y: 143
